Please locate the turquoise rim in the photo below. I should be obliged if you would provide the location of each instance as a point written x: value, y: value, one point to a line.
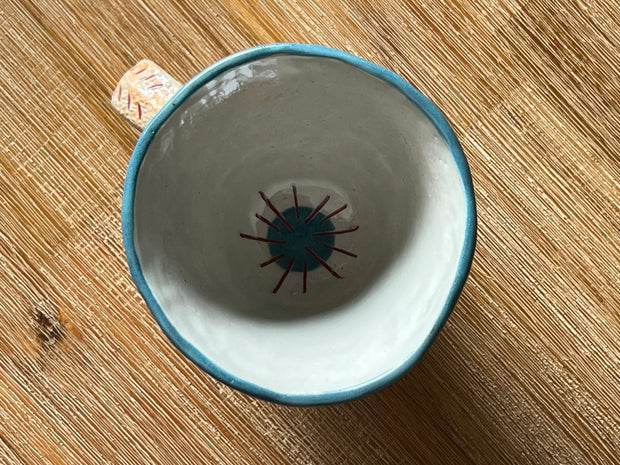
x: 127, y: 216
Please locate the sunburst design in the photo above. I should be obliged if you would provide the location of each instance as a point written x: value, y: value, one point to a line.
x: 301, y: 238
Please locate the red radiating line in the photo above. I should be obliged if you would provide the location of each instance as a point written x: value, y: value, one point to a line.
x: 275, y: 210
x: 305, y: 277
x: 142, y: 70
x: 346, y: 252
x: 288, y: 268
x: 333, y: 232
x: 128, y: 100
x: 318, y: 208
x: 120, y: 91
x: 267, y: 222
x: 335, y: 212
x: 146, y: 78
x: 155, y: 86
x: 271, y: 260
x: 322, y: 262
x: 261, y: 239
x: 295, y: 197
x: 139, y: 111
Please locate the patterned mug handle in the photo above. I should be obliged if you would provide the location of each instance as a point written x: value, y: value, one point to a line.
x: 142, y: 91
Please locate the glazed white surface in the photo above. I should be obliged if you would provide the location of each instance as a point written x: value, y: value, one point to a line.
x: 328, y: 128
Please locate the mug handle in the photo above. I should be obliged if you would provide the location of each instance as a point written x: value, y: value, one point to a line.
x: 142, y: 91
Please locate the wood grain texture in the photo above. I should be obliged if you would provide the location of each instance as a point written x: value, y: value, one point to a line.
x: 527, y: 369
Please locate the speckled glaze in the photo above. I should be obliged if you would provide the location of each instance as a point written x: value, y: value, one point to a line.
x: 264, y: 146
x: 142, y: 91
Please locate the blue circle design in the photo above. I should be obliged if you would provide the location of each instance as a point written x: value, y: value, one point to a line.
x: 297, y: 242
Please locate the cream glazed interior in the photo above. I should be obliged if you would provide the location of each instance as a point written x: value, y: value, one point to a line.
x: 299, y: 222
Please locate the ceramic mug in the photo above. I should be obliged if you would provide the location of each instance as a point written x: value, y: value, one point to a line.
x: 299, y: 221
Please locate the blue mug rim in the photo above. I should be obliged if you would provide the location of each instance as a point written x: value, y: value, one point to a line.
x: 190, y: 351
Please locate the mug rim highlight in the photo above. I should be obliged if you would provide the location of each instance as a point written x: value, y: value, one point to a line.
x: 127, y: 221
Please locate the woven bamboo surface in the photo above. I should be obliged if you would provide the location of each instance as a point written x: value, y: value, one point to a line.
x: 527, y: 370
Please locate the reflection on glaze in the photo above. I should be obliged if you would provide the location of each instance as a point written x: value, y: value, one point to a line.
x: 230, y: 83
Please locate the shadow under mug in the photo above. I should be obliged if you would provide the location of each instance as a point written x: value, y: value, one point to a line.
x: 299, y: 221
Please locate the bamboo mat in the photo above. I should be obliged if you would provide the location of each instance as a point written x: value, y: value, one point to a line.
x: 527, y: 370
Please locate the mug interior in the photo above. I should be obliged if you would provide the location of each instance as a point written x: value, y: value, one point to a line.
x: 242, y: 166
